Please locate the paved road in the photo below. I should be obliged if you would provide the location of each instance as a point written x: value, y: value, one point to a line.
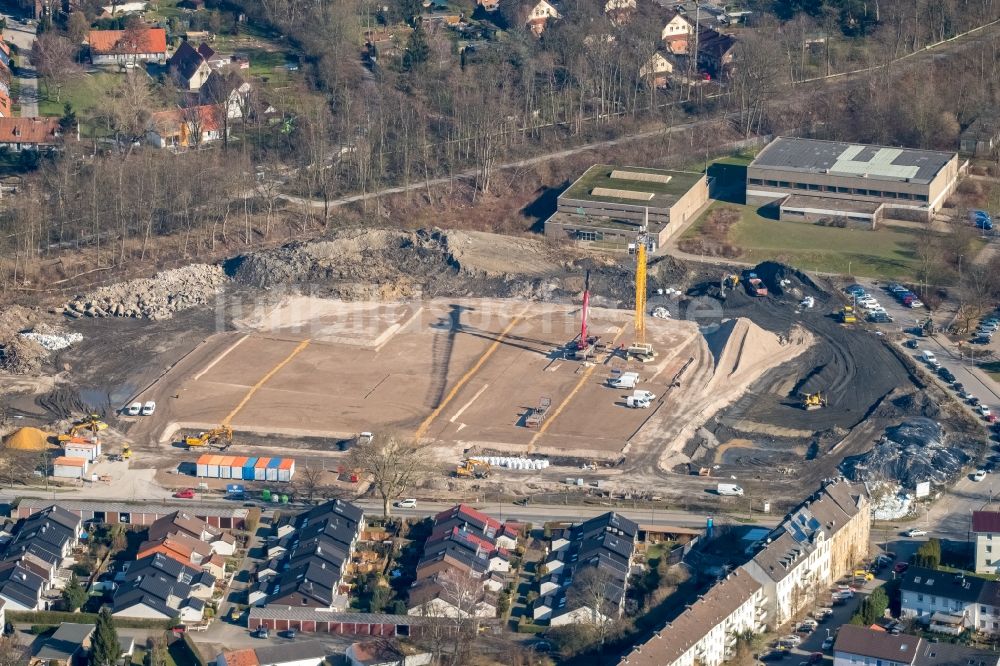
x: 23, y: 36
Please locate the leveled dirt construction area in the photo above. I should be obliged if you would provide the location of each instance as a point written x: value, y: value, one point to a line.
x: 460, y: 373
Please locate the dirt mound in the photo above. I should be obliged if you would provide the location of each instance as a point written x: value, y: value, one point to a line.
x: 27, y: 439
x: 22, y: 356
x: 158, y: 297
x: 909, y: 453
x: 15, y: 319
x: 392, y: 263
x: 742, y: 349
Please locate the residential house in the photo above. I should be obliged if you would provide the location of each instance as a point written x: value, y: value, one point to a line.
x: 310, y: 561
x: 159, y: 587
x: 677, y: 34
x: 128, y: 47
x: 596, y: 552
x: 293, y: 653
x: 863, y: 645
x: 817, y: 543
x: 715, y: 52
x: 188, y: 551
x: 42, y: 544
x: 705, y: 632
x: 189, y: 65
x: 540, y: 15
x: 19, y: 134
x: 382, y: 652
x: 982, y: 137
x: 181, y: 522
x: 179, y: 129
x: 949, y: 602
x: 22, y: 587
x: 986, y: 528
x: 68, y: 646
x: 230, y: 90
x: 656, y: 70
x: 465, y: 560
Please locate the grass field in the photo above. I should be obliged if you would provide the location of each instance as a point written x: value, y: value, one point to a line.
x: 884, y: 253
x: 86, y: 93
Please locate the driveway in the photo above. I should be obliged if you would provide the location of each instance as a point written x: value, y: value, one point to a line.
x: 23, y: 36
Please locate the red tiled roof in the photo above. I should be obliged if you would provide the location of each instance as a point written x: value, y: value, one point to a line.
x: 67, y: 461
x: 208, y: 117
x: 241, y: 658
x: 29, y: 130
x: 986, y: 521
x: 149, y: 40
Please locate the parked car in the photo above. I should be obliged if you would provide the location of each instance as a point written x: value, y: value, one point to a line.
x: 916, y: 303
x: 187, y: 493
x: 912, y: 343
x: 901, y: 567
x: 148, y: 408
x: 791, y: 638
x: 984, y: 411
x: 407, y: 503
x: 133, y: 409
x: 979, y: 475
x: 291, y: 633
x: 262, y: 633
x: 916, y: 532
x: 855, y: 290
x: 828, y: 642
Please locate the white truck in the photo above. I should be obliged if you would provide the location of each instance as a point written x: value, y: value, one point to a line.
x: 626, y: 380
x: 729, y: 490
x: 637, y: 402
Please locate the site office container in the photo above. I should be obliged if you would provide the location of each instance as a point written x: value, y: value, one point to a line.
x: 260, y: 469
x: 213, y: 467
x: 202, y: 465
x: 286, y: 470
x: 248, y: 468
x: 272, y: 469
x: 236, y: 467
x: 226, y: 468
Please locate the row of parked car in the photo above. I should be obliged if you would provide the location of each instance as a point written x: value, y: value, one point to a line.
x: 949, y: 378
x: 983, y: 334
x: 904, y: 295
x: 873, y: 309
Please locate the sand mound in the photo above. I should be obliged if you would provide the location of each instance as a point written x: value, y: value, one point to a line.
x: 28, y: 439
x: 743, y: 350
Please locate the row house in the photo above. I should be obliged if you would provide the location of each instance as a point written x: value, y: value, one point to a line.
x: 949, y: 602
x: 220, y: 540
x: 161, y: 588
x: 862, y: 645
x: 40, y: 547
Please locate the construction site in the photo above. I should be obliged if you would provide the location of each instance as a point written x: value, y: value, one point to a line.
x: 480, y: 347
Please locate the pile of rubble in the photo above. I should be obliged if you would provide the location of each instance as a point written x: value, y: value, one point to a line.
x: 20, y: 356
x: 908, y: 454
x: 51, y: 337
x: 158, y: 297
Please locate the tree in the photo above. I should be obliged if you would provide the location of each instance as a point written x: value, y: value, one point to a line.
x: 54, y: 58
x: 393, y: 464
x: 311, y: 480
x: 127, y: 108
x: 68, y: 121
x: 12, y: 652
x: 596, y: 590
x: 105, y: 649
x: 77, y: 27
x: 929, y: 554
x: 74, y: 596
x: 417, y: 48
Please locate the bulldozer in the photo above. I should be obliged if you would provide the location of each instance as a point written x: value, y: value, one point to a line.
x: 473, y: 469
x: 211, y: 438
x: 91, y: 422
x: 813, y: 401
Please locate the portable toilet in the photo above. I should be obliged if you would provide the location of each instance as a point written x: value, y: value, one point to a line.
x: 272, y: 469
x: 260, y: 469
x: 248, y: 468
x: 266, y: 495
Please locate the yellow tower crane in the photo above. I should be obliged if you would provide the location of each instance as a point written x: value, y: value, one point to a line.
x: 639, y: 348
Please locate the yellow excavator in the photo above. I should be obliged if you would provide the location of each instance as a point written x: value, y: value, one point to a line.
x: 732, y: 281
x: 473, y: 469
x: 813, y: 401
x: 126, y: 452
x: 211, y: 438
x: 91, y: 422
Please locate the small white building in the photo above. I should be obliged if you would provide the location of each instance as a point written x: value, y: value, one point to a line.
x: 89, y: 451
x: 66, y: 467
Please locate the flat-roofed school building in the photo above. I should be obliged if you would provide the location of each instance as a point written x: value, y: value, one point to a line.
x: 808, y: 179
x: 607, y: 205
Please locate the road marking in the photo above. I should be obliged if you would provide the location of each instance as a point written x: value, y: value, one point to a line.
x: 468, y: 404
x: 576, y: 389
x: 219, y: 357
x: 422, y: 430
x: 253, y: 389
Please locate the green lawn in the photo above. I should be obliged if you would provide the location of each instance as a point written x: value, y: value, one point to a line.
x: 884, y: 253
x: 87, y: 94
x: 992, y: 369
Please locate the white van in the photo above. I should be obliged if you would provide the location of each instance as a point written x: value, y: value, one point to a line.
x: 929, y: 357
x: 626, y: 380
x: 729, y: 489
x: 641, y: 394
x: 637, y: 402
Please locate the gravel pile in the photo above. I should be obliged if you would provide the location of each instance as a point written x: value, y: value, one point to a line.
x: 158, y: 297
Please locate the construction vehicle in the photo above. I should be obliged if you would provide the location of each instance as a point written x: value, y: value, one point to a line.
x: 473, y: 469
x: 211, y: 438
x: 640, y: 349
x: 583, y: 347
x: 126, y: 452
x: 91, y: 422
x: 847, y: 315
x: 755, y: 286
x: 731, y: 281
x: 813, y: 401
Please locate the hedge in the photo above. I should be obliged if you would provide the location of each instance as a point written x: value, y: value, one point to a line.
x: 55, y: 617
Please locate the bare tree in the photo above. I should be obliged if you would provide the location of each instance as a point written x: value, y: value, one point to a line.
x: 128, y: 107
x: 12, y: 652
x: 54, y: 58
x: 310, y: 479
x: 598, y: 591
x: 393, y: 463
